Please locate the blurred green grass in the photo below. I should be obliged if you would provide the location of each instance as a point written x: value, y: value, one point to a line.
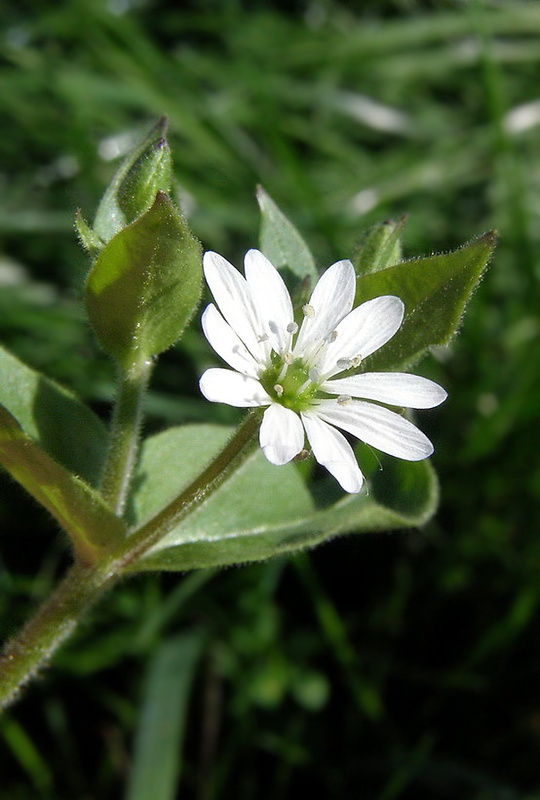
x: 401, y: 666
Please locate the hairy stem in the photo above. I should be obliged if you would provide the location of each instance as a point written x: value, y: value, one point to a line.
x: 42, y: 635
x: 124, y: 437
x: 237, y: 449
x: 31, y: 649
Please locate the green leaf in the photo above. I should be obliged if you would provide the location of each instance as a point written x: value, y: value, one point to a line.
x: 87, y: 237
x: 79, y: 509
x: 172, y: 459
x: 264, y: 510
x: 145, y: 284
x: 146, y: 171
x: 31, y: 760
x: 163, y: 719
x: 435, y: 291
x: 380, y: 247
x: 281, y: 242
x: 60, y: 423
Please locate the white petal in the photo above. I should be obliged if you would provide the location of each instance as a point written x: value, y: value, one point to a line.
x: 333, y: 451
x: 363, y: 331
x: 236, y: 303
x: 377, y: 426
x: 331, y: 301
x: 226, y: 343
x: 271, y: 297
x: 281, y: 435
x: 226, y: 386
x: 393, y: 388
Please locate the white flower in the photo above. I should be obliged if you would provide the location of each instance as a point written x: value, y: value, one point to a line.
x: 291, y: 370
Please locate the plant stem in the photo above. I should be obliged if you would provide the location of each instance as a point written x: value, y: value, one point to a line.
x: 30, y: 650
x: 237, y: 449
x: 124, y: 437
x: 55, y: 620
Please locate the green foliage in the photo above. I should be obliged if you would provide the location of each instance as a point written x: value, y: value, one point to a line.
x: 77, y: 507
x: 145, y: 284
x: 164, y: 719
x: 27, y: 755
x: 436, y: 628
x: 380, y: 247
x: 280, y: 241
x: 63, y: 426
x: 435, y: 291
x: 262, y: 510
x: 146, y: 171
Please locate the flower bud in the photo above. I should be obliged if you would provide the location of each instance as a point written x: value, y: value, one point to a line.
x: 380, y: 247
x: 146, y: 171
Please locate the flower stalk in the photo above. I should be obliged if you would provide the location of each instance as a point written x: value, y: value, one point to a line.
x: 232, y: 456
x: 125, y: 434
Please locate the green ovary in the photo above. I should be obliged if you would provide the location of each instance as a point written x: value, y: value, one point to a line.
x: 298, y: 389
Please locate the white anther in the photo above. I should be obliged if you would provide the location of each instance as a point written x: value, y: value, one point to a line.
x: 292, y: 327
x: 332, y: 337
x: 308, y: 311
x: 288, y: 358
x: 262, y: 338
x: 343, y: 399
x: 344, y: 363
x: 356, y: 361
x: 278, y: 389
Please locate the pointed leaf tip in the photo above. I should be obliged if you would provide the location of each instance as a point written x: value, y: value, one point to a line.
x: 380, y: 246
x: 144, y: 171
x: 435, y: 290
x: 281, y: 242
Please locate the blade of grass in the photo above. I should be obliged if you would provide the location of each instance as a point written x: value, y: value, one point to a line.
x: 365, y: 693
x: 26, y: 753
x: 157, y: 760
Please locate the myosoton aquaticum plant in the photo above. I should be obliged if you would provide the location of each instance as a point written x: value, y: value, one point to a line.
x: 320, y: 361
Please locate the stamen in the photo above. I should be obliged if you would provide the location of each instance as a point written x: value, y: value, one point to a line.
x: 278, y: 389
x: 287, y: 360
x: 344, y: 363
x: 312, y: 355
x: 331, y: 337
x: 344, y: 399
x: 313, y: 377
x: 356, y: 361
x: 263, y: 337
x: 308, y: 311
x: 292, y: 327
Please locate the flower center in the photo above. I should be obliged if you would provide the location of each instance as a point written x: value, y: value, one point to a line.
x: 289, y: 384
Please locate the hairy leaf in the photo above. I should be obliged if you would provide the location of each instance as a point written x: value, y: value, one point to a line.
x: 264, y: 510
x: 145, y: 284
x: 58, y: 421
x: 76, y: 506
x: 435, y: 291
x: 281, y: 242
